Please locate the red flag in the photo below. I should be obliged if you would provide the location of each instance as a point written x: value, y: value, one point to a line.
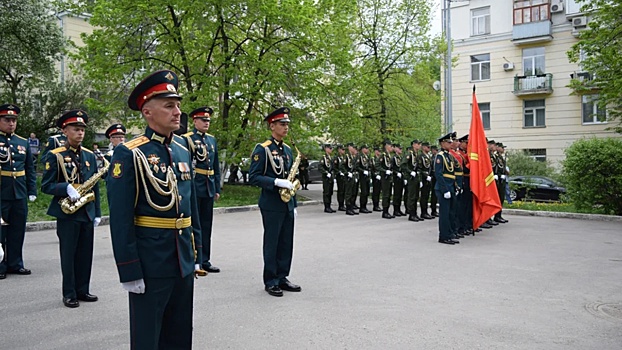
x: 486, y: 201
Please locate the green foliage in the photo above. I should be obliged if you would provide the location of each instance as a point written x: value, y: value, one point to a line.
x: 593, y: 174
x: 554, y: 207
x: 522, y: 164
x: 598, y: 51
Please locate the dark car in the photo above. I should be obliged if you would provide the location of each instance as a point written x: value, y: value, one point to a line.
x: 537, y: 188
x: 314, y: 171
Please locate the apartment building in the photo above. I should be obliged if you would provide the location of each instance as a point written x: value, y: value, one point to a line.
x: 72, y: 26
x: 514, y: 52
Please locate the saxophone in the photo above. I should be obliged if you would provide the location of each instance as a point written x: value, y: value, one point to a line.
x: 286, y: 195
x: 86, y: 195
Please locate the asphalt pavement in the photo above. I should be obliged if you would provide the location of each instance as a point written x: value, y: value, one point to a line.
x: 368, y: 283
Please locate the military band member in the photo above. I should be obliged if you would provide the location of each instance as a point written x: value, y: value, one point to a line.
x: 351, y: 179
x: 425, y: 173
x: 365, y: 173
x: 376, y: 179
x: 411, y: 172
x: 445, y: 189
x: 206, y: 177
x: 398, y: 180
x: 116, y: 134
x: 501, y: 178
x: 433, y: 198
x: 326, y: 169
x: 338, y: 164
x: 154, y: 223
x: 386, y: 168
x: 53, y: 142
x: 66, y: 168
x: 271, y: 162
x: 18, y: 185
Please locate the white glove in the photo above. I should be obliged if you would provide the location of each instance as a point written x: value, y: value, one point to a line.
x: 405, y: 182
x: 413, y: 173
x: 399, y: 175
x: 350, y: 175
x: 72, y: 193
x: 32, y: 198
x: 457, y: 192
x: 420, y: 184
x: 378, y: 177
x: 365, y: 172
x: 96, y: 222
x: 284, y: 183
x: 1, y: 253
x: 502, y: 177
x: 295, y: 213
x: 496, y: 177
x: 447, y: 195
x: 197, y: 267
x: 428, y: 179
x: 136, y: 287
x: 340, y: 173
x: 329, y: 175
x: 388, y: 172
x: 335, y: 181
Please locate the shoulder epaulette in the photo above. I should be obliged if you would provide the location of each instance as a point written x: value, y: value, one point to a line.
x: 189, y: 133
x: 19, y: 137
x: 209, y: 134
x: 286, y: 145
x: 86, y: 149
x: 58, y: 150
x: 139, y: 141
x: 267, y: 143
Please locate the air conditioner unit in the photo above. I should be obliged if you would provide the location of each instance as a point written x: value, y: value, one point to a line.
x: 579, y: 21
x: 508, y: 66
x: 555, y: 8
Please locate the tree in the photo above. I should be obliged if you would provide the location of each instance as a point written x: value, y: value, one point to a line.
x: 598, y: 52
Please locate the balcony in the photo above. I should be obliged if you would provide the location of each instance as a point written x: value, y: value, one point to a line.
x: 541, y: 84
x: 530, y: 33
x: 583, y: 82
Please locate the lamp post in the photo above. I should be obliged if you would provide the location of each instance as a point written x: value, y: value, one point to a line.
x: 448, y: 98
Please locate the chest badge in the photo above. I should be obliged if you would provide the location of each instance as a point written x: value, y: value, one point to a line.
x: 163, y: 167
x: 117, y: 169
x: 153, y: 159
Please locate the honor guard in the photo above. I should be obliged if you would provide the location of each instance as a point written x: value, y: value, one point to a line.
x: 386, y: 169
x: 445, y: 189
x: 154, y: 223
x: 376, y: 179
x: 492, y: 150
x: 398, y: 180
x: 364, y: 173
x: 18, y: 183
x: 433, y: 198
x: 412, y: 173
x: 456, y: 218
x: 466, y: 205
x: 352, y: 179
x: 338, y: 165
x: 326, y: 169
x: 500, y: 173
x: 71, y: 176
x: 425, y: 173
x: 271, y: 163
x: 206, y: 177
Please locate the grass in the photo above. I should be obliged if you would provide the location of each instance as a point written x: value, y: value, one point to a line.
x: 562, y: 207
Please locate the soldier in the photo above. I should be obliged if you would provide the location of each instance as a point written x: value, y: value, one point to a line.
x: 116, y: 134
x: 271, y: 163
x: 303, y: 172
x: 66, y: 169
x: 206, y: 178
x: 326, y: 168
x: 445, y: 189
x: 411, y: 171
x: 352, y: 178
x: 376, y: 179
x: 492, y: 149
x: 425, y: 175
x: 365, y: 172
x: 18, y: 183
x: 456, y: 219
x: 501, y: 178
x: 398, y: 180
x: 433, y: 198
x: 154, y: 219
x: 386, y: 168
x: 466, y: 205
x: 338, y: 164
x: 53, y: 142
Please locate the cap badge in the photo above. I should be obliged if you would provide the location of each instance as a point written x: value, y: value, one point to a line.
x: 170, y: 87
x: 80, y: 119
x: 169, y: 76
x: 79, y: 113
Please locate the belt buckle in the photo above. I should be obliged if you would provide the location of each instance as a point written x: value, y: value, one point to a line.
x: 179, y: 223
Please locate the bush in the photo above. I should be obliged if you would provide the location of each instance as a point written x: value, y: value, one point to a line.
x: 522, y: 164
x: 593, y: 174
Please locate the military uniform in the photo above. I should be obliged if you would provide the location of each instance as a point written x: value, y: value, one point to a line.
x: 154, y: 226
x: 53, y: 142
x: 18, y: 183
x: 326, y: 169
x: 364, y: 173
x: 67, y: 166
x: 398, y: 182
x: 115, y: 129
x: 411, y: 172
x: 500, y: 172
x: 425, y: 172
x: 445, y: 191
x: 351, y: 179
x: 376, y: 182
x: 465, y: 207
x: 303, y: 173
x: 433, y: 198
x: 457, y: 227
x: 338, y: 165
x: 386, y: 168
x: 207, y: 181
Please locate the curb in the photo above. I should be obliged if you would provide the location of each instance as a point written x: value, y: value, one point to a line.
x: 552, y: 214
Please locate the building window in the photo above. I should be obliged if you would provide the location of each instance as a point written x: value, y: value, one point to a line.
x: 533, y: 61
x: 480, y: 67
x: 590, y: 111
x: 484, y: 109
x: 480, y: 21
x: 534, y: 114
x: 527, y: 11
x: 537, y: 153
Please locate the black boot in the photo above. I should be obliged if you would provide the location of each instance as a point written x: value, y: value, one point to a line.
x: 349, y: 211
x: 364, y: 210
x: 328, y: 209
x: 412, y: 218
x: 397, y: 212
x: 386, y: 215
x: 342, y: 208
x: 377, y: 208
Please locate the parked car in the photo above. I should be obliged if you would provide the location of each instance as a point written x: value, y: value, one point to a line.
x: 537, y: 188
x: 314, y: 171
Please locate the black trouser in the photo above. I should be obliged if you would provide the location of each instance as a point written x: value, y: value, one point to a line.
x: 161, y: 318
x: 351, y: 191
x: 413, y: 195
x: 377, y: 189
x: 425, y: 196
x: 206, y: 217
x: 466, y: 206
x: 364, y: 180
x: 445, y: 211
x: 304, y: 178
x: 327, y: 190
x: 278, y: 245
x: 387, y: 181
x: 341, y: 190
x: 76, y: 255
x: 501, y: 191
x: 14, y: 212
x: 398, y: 191
x: 433, y: 197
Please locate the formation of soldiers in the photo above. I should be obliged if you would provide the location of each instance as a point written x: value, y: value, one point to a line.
x: 419, y: 178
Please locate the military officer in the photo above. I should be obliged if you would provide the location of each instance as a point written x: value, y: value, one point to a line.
x: 66, y: 169
x: 501, y: 178
x: 386, y: 168
x: 433, y: 198
x: 338, y: 163
x: 445, y: 189
x: 398, y: 180
x: 351, y: 179
x: 154, y: 223
x: 18, y: 183
x: 412, y: 173
x: 116, y: 134
x: 425, y: 173
x: 206, y: 177
x: 271, y: 162
x: 326, y: 169
x: 376, y: 179
x: 364, y: 170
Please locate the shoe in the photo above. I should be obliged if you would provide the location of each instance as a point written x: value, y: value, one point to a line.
x: 434, y: 214
x: 364, y: 211
x: 21, y: 271
x: 377, y: 208
x: 446, y: 241
x: 350, y: 212
x: 499, y: 220
x: 328, y: 210
x: 426, y: 216
x: 290, y: 287
x: 275, y: 291
x: 485, y: 225
x: 88, y: 297
x: 397, y: 213
x: 412, y: 218
x: 477, y: 230
x: 503, y: 221
x: 459, y: 235
x: 211, y: 269
x: 492, y: 223
x: 70, y: 302
x: 2, y: 275
x: 386, y: 215
x: 342, y: 209
x: 455, y: 241
x: 355, y: 207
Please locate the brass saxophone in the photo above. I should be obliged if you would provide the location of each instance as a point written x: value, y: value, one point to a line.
x: 86, y: 195
x: 286, y: 195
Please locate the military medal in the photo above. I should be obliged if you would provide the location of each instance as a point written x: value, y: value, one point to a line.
x: 163, y: 167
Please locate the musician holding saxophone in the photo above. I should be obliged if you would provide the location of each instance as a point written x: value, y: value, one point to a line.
x: 273, y: 168
x: 71, y: 176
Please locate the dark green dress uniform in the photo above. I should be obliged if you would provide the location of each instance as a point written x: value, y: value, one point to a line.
x: 269, y: 161
x: 68, y: 166
x: 18, y: 182
x: 352, y: 181
x: 445, y: 183
x: 410, y: 166
x: 466, y: 204
x: 425, y: 172
x: 376, y: 182
x: 386, y: 169
x: 53, y: 142
x: 303, y: 173
x: 207, y: 181
x: 338, y: 164
x: 398, y: 183
x: 326, y: 169
x: 499, y: 170
x: 112, y: 130
x: 365, y: 174
x: 433, y: 198
x: 154, y: 226
x: 456, y: 218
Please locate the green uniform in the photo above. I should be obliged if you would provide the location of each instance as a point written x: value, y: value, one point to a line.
x: 499, y: 170
x: 425, y: 172
x: 351, y: 182
x: 376, y: 182
x: 326, y: 169
x: 445, y: 183
x: 387, y: 181
x: 398, y: 184
x: 338, y: 165
x: 365, y: 173
x: 411, y: 172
